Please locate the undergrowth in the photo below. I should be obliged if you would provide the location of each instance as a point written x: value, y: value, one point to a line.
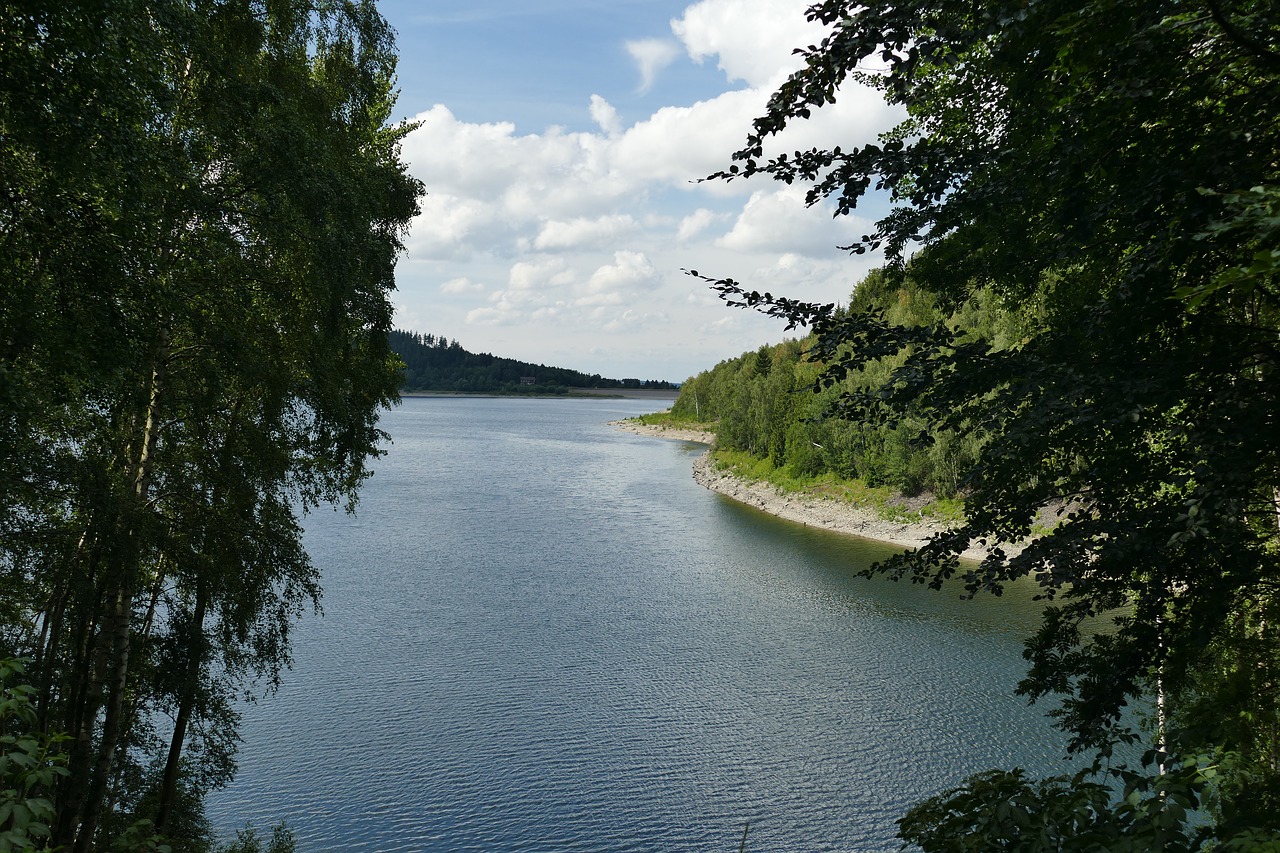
x: 668, y: 421
x: 887, y: 503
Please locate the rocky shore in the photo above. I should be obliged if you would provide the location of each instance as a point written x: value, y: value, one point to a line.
x: 813, y: 510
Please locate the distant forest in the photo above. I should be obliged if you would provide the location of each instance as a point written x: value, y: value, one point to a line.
x: 435, y: 363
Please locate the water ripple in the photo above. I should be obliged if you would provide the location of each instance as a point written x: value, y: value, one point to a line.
x: 541, y: 635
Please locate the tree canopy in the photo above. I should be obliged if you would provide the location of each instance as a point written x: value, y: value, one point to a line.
x: 1115, y: 167
x: 438, y: 365
x: 202, y: 204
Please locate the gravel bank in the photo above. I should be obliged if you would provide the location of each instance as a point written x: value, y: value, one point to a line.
x: 664, y: 432
x: 813, y: 510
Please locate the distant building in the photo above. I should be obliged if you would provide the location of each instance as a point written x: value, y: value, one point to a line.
x: 526, y: 380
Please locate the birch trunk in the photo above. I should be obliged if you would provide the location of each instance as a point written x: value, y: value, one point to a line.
x: 117, y: 626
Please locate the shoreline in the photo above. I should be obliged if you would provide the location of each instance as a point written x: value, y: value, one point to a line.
x: 656, y: 395
x: 809, y: 510
x: 636, y: 428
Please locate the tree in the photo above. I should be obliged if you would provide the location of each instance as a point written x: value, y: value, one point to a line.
x: 1116, y: 163
x: 202, y: 206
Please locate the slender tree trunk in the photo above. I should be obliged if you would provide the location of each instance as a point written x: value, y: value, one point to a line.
x: 46, y: 654
x: 116, y: 639
x: 206, y: 583
x: 81, y: 699
x: 1161, y: 723
x: 186, y: 704
x: 118, y: 624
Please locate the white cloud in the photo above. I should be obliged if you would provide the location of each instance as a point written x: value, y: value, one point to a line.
x: 539, y: 274
x: 493, y: 192
x: 679, y: 145
x: 406, y: 318
x: 778, y: 221
x: 461, y: 285
x: 491, y: 317
x: 752, y: 40
x: 605, y: 116
x: 651, y: 56
x: 695, y: 223
x: 446, y: 226
x: 633, y: 320
x: 584, y: 232
x: 530, y: 176
x: 629, y: 274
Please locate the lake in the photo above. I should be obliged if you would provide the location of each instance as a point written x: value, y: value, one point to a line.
x: 541, y: 635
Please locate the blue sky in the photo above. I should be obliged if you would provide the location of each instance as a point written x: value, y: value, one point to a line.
x: 537, y: 63
x: 560, y: 143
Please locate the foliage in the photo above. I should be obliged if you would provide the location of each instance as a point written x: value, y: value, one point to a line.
x: 248, y: 841
x: 441, y: 365
x: 1140, y: 811
x: 886, y: 502
x: 1111, y: 168
x: 766, y: 411
x: 668, y: 420
x: 201, y: 205
x: 30, y: 763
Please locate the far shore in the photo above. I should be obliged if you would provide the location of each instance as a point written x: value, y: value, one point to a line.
x: 810, y: 510
x: 656, y: 394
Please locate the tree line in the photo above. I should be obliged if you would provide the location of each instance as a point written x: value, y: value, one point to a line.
x: 1080, y: 312
x: 436, y: 364
x: 201, y: 205
x: 764, y: 402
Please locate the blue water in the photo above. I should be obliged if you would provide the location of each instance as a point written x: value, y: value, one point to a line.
x: 541, y: 635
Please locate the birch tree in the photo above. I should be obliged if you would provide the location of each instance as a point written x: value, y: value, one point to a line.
x: 203, y: 204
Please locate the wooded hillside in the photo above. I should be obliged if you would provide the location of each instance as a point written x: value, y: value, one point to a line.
x: 438, y: 364
x: 764, y: 403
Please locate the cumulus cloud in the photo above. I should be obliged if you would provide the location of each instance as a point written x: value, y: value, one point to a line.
x: 491, y: 317
x: 752, y: 40
x: 629, y: 274
x: 406, y: 318
x: 630, y: 320
x: 695, y: 223
x: 539, y: 274
x: 461, y: 285
x: 651, y: 56
x: 678, y: 145
x: 584, y: 232
x: 528, y: 176
x: 584, y: 229
x: 493, y: 191
x: 446, y: 225
x: 778, y: 221
x: 605, y: 116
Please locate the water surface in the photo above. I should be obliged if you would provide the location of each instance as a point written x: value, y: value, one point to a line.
x: 541, y: 635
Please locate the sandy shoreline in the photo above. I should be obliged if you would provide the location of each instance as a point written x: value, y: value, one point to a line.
x: 812, y: 510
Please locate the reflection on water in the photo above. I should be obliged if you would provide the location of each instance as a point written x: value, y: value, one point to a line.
x: 541, y: 634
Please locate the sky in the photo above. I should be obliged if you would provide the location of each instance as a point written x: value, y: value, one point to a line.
x: 561, y: 143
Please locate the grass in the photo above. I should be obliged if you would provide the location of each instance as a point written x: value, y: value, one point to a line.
x: 884, y: 501
x: 666, y: 420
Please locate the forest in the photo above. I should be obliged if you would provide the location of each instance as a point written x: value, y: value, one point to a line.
x: 193, y: 353
x: 436, y: 364
x: 764, y: 404
x: 1079, y: 314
